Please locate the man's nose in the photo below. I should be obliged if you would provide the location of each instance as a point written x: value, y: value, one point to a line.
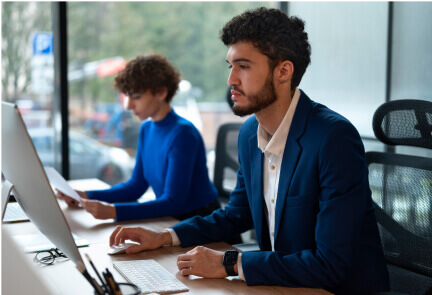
x: 232, y: 79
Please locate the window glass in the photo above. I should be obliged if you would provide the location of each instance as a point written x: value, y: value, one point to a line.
x: 412, y: 59
x: 43, y: 144
x: 349, y: 47
x: 348, y: 64
x: 102, y: 36
x: 28, y: 70
x: 412, y: 47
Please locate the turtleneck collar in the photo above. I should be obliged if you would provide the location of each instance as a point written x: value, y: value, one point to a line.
x: 169, y: 118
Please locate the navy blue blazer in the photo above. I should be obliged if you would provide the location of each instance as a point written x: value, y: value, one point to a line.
x: 326, y: 234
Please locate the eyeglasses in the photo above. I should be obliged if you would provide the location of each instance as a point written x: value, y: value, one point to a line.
x: 48, y: 257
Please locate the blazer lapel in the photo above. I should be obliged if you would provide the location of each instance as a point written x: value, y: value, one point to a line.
x: 291, y: 154
x: 258, y: 205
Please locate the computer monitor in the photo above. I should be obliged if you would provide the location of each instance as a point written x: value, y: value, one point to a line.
x: 23, y: 170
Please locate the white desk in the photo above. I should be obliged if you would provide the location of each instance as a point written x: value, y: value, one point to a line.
x: 65, y: 279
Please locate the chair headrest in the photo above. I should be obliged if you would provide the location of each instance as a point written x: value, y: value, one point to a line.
x: 404, y: 122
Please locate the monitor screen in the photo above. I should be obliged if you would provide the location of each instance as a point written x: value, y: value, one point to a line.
x: 22, y: 168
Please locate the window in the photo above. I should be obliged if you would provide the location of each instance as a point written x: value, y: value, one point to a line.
x: 348, y: 64
x: 28, y: 70
x: 102, y: 36
x: 348, y: 70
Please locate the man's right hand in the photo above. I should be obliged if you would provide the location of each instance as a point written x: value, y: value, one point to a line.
x: 147, y: 239
x: 71, y: 201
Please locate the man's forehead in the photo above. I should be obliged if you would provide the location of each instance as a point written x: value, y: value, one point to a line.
x: 243, y: 51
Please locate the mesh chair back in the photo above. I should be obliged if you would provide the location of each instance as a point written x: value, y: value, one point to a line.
x: 404, y: 122
x: 402, y: 192
x: 226, y: 162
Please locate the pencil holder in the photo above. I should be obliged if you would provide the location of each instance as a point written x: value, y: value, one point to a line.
x: 129, y: 289
x: 126, y: 289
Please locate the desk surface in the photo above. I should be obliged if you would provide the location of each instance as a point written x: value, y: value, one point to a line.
x: 65, y: 279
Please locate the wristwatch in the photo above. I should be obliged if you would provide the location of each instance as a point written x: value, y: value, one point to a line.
x: 229, y: 260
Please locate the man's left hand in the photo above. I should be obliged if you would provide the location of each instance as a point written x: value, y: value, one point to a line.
x: 203, y: 262
x: 98, y: 209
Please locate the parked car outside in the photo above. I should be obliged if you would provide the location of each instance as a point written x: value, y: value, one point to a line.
x: 116, y: 127
x: 88, y: 158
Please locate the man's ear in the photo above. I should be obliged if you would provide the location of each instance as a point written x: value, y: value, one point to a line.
x: 284, y: 71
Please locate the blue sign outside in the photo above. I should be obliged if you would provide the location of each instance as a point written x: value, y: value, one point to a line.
x: 43, y: 43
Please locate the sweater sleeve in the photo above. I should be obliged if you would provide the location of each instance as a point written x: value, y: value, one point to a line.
x: 130, y: 190
x: 181, y: 161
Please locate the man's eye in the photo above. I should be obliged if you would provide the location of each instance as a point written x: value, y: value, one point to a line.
x: 243, y: 67
x: 230, y: 67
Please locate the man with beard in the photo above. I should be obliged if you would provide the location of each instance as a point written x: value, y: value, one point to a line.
x: 302, y: 182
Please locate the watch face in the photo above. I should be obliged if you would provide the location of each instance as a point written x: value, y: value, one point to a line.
x: 230, y: 257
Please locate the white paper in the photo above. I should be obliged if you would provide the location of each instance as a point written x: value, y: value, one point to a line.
x: 57, y: 181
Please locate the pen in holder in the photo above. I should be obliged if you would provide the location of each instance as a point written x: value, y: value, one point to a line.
x: 108, y: 285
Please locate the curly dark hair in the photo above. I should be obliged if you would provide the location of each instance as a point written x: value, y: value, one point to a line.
x: 152, y: 71
x: 275, y: 35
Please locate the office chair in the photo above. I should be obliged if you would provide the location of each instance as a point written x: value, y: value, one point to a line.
x: 402, y: 192
x: 225, y: 175
x: 226, y: 161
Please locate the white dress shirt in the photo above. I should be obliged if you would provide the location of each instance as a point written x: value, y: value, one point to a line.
x: 273, y: 150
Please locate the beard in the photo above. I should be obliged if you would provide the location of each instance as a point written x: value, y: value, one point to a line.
x: 258, y: 101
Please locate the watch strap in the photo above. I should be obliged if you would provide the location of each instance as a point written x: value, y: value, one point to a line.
x: 229, y: 260
x: 230, y: 270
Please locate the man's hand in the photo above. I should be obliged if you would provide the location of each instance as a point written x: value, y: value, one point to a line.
x: 203, y: 262
x: 71, y: 201
x: 147, y: 239
x: 98, y: 209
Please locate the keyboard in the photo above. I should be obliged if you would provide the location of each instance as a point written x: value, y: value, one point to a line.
x: 149, y: 276
x: 14, y: 213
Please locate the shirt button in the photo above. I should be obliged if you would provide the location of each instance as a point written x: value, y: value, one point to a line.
x: 272, y: 234
x: 272, y: 200
x: 272, y: 167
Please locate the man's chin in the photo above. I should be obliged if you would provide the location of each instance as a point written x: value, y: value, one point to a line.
x: 241, y: 112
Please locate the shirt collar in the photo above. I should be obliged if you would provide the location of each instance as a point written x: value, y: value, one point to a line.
x: 276, y: 144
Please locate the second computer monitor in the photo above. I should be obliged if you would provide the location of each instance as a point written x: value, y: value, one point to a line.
x: 23, y: 169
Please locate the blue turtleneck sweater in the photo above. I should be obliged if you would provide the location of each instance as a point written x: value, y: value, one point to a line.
x: 171, y: 159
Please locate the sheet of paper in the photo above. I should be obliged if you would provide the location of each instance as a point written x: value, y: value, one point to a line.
x: 57, y: 181
x: 89, y: 184
x: 14, y: 213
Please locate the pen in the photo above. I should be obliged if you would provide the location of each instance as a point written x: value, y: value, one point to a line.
x: 116, y: 287
x: 80, y: 266
x: 96, y: 271
x: 110, y: 287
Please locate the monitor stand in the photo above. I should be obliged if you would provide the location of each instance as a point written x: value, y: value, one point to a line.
x: 6, y: 190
